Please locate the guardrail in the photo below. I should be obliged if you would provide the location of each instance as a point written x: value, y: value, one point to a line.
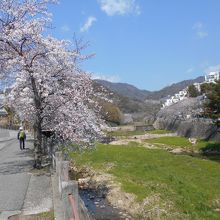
x: 74, y: 208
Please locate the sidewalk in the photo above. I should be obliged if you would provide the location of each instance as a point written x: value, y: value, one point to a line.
x: 23, y: 190
x: 6, y: 135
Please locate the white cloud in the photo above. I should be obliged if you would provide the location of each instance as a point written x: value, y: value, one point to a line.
x: 212, y: 68
x: 199, y: 28
x: 89, y: 22
x: 110, y: 78
x: 198, y: 25
x: 190, y: 70
x: 119, y: 7
x: 65, y: 28
x: 202, y: 34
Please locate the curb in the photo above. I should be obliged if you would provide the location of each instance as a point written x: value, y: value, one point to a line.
x: 6, y: 214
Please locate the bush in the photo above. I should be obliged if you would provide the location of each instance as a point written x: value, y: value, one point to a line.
x: 192, y: 91
x: 212, y: 105
x: 111, y: 113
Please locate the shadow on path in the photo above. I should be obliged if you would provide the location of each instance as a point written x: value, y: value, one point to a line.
x: 21, y: 162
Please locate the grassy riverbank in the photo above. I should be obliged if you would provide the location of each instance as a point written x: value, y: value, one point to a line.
x: 183, y: 142
x: 184, y: 185
x: 132, y: 133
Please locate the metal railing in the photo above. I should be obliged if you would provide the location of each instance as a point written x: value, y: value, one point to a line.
x: 74, y: 215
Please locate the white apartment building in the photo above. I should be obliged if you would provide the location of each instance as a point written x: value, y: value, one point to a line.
x: 212, y: 77
x: 176, y: 98
x: 182, y: 94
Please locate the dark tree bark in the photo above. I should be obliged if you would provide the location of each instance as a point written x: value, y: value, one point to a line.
x: 37, y: 125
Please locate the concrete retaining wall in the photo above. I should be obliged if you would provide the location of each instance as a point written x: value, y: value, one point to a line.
x: 199, y: 128
x: 73, y: 206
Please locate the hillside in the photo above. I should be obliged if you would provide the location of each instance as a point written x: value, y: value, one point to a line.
x: 174, y: 88
x: 138, y: 108
x: 125, y: 89
x: 134, y: 93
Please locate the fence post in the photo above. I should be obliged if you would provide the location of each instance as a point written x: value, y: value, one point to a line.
x: 65, y: 171
x: 58, y: 156
x: 58, y: 169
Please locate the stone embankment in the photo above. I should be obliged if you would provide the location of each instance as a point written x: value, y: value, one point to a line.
x: 184, y: 118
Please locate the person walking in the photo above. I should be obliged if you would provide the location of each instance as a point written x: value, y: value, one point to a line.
x: 21, y: 138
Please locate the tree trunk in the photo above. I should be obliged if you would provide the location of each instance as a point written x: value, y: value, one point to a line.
x: 37, y: 125
x: 38, y: 137
x: 37, y: 145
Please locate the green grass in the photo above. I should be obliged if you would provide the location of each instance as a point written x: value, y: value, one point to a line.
x: 171, y: 141
x: 131, y: 133
x: 184, y: 143
x: 191, y: 184
x: 41, y: 216
x: 126, y: 133
x: 47, y: 215
x: 159, y: 132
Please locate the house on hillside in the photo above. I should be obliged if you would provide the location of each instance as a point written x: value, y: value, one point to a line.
x: 176, y: 98
x: 181, y: 95
x: 212, y: 77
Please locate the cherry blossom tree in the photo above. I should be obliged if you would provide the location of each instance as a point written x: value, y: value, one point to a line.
x: 66, y: 97
x: 50, y: 91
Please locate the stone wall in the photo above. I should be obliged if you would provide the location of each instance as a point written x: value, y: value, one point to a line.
x: 183, y: 118
x: 190, y: 128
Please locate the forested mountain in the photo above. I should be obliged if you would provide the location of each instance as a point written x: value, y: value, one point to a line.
x: 174, y: 88
x: 138, y: 108
x: 134, y: 93
x: 125, y: 89
x: 129, y: 103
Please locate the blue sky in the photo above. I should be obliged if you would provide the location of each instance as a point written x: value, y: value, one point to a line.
x: 147, y: 43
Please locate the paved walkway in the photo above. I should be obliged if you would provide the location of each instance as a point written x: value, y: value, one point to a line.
x: 22, y: 189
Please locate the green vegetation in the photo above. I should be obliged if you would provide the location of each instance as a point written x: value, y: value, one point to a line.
x: 171, y: 141
x: 132, y: 133
x: 47, y: 215
x: 212, y: 105
x: 192, y: 91
x: 110, y: 112
x: 159, y: 132
x: 184, y: 143
x: 41, y: 216
x: 190, y: 184
x: 125, y: 133
x: 206, y: 87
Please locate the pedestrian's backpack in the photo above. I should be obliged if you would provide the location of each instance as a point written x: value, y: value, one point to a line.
x: 21, y: 135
